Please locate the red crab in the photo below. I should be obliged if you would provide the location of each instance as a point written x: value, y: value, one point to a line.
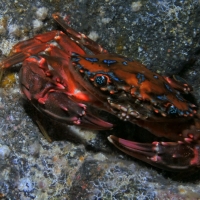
x: 64, y: 82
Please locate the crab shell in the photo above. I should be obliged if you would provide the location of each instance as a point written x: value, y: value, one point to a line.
x: 65, y: 83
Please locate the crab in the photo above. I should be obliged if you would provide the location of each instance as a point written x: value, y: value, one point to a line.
x: 66, y: 84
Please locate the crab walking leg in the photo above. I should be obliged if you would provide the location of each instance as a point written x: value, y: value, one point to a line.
x: 166, y: 155
x: 68, y: 45
x: 39, y: 43
x: 24, y: 49
x: 178, y: 83
x: 79, y: 37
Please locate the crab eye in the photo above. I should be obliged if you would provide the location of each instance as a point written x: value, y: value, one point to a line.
x: 100, y: 80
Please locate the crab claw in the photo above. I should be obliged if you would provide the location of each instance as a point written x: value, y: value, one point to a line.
x: 171, y: 156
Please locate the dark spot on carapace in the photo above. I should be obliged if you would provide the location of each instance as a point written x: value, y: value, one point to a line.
x: 125, y: 63
x: 101, y: 80
x: 155, y: 76
x: 168, y: 87
x: 162, y: 97
x: 172, y: 110
x: 92, y: 59
x: 109, y: 62
x: 180, y: 98
x: 141, y: 78
x: 75, y: 59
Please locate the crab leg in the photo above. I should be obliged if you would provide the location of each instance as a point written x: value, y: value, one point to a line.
x: 24, y: 49
x: 35, y: 45
x: 79, y: 37
x: 178, y: 83
x: 166, y: 155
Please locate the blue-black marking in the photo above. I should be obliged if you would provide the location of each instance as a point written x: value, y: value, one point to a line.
x: 114, y: 77
x: 108, y: 62
x: 180, y: 98
x: 140, y: 77
x: 180, y: 112
x: 88, y: 73
x: 75, y: 59
x: 101, y: 80
x: 92, y: 59
x: 79, y: 66
x: 162, y: 97
x: 168, y: 87
x: 74, y: 54
x: 187, y: 113
x: 125, y: 63
x: 172, y: 110
x: 155, y: 76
